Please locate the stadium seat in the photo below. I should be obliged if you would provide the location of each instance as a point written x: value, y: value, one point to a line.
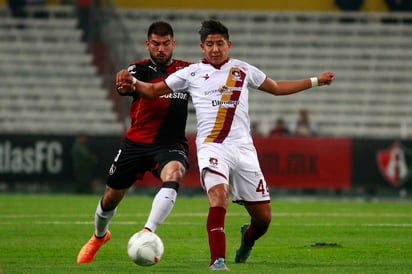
x: 50, y: 83
x: 371, y: 94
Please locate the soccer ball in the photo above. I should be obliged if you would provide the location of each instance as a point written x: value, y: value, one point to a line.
x: 145, y: 248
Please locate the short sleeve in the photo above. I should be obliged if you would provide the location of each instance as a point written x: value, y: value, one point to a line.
x: 256, y: 77
x: 177, y: 81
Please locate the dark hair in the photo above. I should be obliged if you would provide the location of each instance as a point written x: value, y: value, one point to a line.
x: 160, y: 28
x: 213, y: 27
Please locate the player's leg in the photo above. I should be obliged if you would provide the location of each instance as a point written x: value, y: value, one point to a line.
x: 106, y: 209
x: 250, y: 189
x: 122, y: 175
x: 214, y: 165
x: 171, y: 175
x: 261, y: 216
x: 218, y: 197
x: 259, y: 224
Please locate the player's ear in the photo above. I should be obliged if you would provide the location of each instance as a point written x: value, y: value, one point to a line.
x: 202, y: 47
x: 229, y: 43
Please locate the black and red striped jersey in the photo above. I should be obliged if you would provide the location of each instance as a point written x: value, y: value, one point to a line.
x: 161, y: 120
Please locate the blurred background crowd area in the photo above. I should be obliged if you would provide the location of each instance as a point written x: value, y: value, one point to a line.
x: 59, y: 58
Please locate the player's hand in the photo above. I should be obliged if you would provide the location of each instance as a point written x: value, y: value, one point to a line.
x: 326, y: 78
x: 124, y: 82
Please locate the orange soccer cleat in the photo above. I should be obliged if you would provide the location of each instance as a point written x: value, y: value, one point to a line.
x: 89, y: 250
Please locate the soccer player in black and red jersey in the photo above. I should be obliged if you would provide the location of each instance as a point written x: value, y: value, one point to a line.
x: 155, y: 142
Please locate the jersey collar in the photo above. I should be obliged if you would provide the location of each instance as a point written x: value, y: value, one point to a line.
x: 165, y: 66
x: 205, y: 61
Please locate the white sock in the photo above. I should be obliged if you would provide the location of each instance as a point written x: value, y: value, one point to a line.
x: 162, y: 205
x: 102, y: 220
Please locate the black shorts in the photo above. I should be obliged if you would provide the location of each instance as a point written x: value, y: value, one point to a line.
x: 133, y: 160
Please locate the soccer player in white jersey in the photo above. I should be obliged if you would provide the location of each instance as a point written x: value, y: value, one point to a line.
x: 219, y: 87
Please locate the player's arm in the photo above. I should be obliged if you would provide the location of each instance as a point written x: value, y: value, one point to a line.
x: 127, y: 84
x: 289, y: 87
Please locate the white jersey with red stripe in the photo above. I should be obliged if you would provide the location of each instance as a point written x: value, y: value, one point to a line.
x: 220, y: 97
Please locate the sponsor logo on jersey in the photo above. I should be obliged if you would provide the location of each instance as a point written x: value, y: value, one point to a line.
x: 236, y: 75
x: 131, y: 69
x: 230, y: 103
x: 153, y: 68
x: 213, y: 161
x: 175, y: 95
x: 223, y: 88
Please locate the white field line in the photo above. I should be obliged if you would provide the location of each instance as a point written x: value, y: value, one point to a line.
x: 408, y: 225
x: 7, y: 219
x: 190, y: 214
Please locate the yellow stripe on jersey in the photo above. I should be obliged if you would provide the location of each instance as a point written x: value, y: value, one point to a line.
x: 225, y: 114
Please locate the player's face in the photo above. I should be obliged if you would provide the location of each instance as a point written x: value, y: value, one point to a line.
x: 216, y: 49
x: 161, y: 48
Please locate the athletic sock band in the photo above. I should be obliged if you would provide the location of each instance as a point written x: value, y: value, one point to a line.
x: 171, y: 184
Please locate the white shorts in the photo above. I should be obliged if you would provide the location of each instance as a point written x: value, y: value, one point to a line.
x: 235, y: 165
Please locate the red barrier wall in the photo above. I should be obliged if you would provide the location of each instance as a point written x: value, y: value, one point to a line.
x: 311, y: 163
x: 290, y: 163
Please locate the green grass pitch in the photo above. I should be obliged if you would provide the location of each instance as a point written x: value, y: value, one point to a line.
x: 43, y: 233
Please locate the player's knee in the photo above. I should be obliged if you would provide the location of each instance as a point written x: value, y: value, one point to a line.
x: 267, y: 217
x: 173, y: 172
x: 112, y: 198
x: 218, y: 196
x: 267, y: 221
x: 261, y: 214
x: 261, y: 224
x: 178, y: 172
x: 109, y: 204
